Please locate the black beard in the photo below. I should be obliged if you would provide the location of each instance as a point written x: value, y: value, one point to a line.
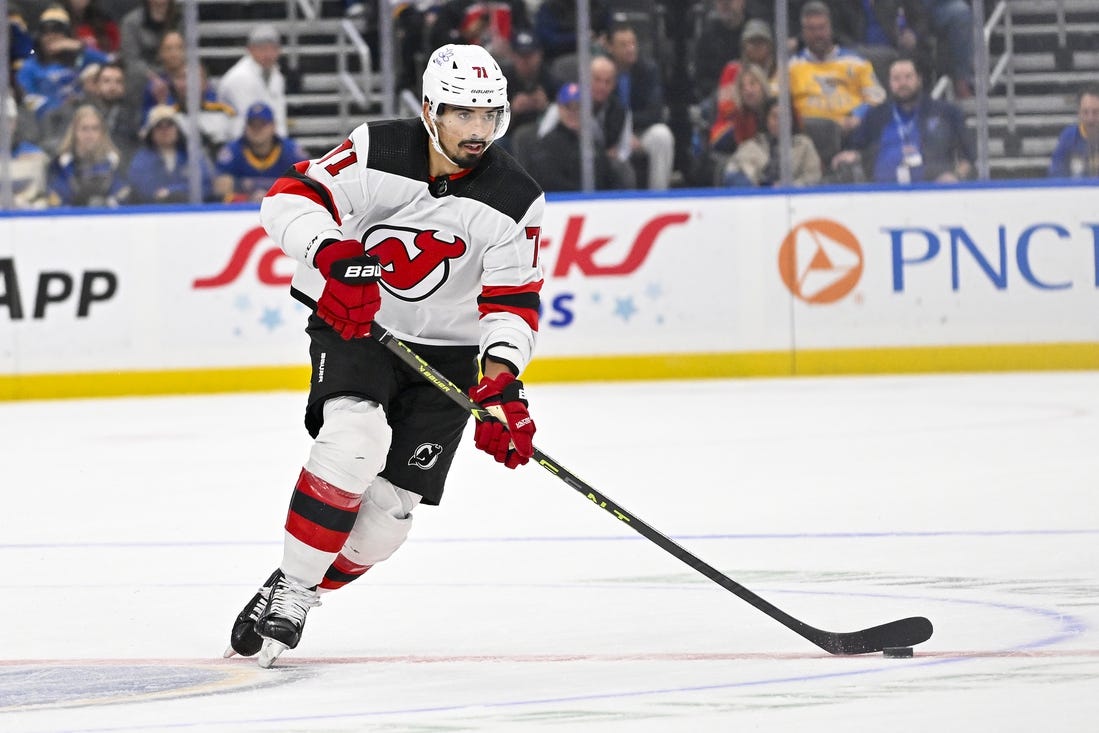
x: 468, y: 160
x: 910, y: 99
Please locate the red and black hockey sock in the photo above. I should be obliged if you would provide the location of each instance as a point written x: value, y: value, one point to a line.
x: 321, y: 515
x: 341, y: 572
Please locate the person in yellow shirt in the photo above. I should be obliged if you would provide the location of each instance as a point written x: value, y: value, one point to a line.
x: 832, y: 87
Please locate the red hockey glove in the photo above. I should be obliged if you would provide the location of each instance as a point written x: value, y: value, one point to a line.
x: 351, y: 296
x: 511, y: 439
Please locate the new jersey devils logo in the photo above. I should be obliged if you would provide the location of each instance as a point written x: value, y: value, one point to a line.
x: 425, y: 455
x: 414, y: 263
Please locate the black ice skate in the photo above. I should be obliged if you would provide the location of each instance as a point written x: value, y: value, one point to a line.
x: 243, y: 639
x: 281, y: 623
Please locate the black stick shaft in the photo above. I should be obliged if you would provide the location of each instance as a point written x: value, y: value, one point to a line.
x: 904, y: 632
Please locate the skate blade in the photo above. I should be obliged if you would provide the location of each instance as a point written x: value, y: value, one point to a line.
x: 270, y: 652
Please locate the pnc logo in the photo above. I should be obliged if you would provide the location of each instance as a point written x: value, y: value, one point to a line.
x: 820, y: 261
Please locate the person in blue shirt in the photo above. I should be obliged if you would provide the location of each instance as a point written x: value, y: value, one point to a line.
x: 248, y: 166
x: 159, y: 172
x: 1077, y: 151
x: 52, y: 73
x: 910, y: 138
x: 87, y: 169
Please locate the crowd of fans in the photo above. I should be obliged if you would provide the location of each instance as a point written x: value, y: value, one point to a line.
x: 100, y: 108
x: 100, y: 96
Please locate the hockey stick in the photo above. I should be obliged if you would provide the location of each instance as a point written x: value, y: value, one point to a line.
x: 901, y: 633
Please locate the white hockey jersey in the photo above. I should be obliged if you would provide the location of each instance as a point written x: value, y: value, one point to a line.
x: 459, y: 254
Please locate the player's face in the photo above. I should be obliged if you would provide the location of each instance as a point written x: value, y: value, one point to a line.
x: 465, y: 132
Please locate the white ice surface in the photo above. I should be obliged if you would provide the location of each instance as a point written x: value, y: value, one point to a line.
x: 132, y: 531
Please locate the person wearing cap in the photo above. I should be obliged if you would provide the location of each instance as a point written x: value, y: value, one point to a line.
x: 52, y: 74
x: 159, y: 172
x: 256, y: 77
x: 530, y: 84
x: 555, y: 161
x: 248, y: 166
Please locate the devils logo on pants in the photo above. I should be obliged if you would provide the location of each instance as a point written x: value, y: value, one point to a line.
x: 425, y: 455
x: 414, y: 263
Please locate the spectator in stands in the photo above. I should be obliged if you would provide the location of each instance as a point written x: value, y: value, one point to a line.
x: 640, y: 88
x: 159, y: 172
x: 94, y: 26
x: 1077, y: 151
x: 52, y: 74
x: 256, y: 78
x: 555, y: 161
x: 215, y: 119
x: 756, y: 161
x: 614, y: 125
x: 28, y: 162
x: 123, y: 119
x: 488, y: 24
x: 740, y: 113
x: 718, y: 43
x: 530, y: 85
x: 952, y: 23
x: 171, y: 61
x: 87, y: 170
x: 141, y: 30
x: 105, y: 87
x: 248, y: 166
x: 832, y: 87
x: 912, y: 137
x: 555, y: 26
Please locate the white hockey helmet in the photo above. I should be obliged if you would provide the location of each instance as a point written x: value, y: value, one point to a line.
x: 465, y: 76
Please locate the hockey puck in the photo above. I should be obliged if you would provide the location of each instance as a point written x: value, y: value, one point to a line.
x: 897, y: 652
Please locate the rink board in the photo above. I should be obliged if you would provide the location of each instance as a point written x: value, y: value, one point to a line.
x: 690, y: 284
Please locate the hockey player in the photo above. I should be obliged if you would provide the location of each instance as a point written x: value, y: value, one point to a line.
x: 424, y: 227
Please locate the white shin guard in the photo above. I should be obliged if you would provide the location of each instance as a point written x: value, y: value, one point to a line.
x: 352, y: 444
x: 382, y: 526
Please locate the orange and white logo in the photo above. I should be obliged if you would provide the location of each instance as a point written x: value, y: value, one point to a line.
x: 820, y: 261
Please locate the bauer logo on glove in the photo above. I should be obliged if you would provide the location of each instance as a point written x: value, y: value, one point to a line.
x: 351, y: 296
x: 370, y: 272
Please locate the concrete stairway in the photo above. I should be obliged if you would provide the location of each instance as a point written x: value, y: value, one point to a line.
x: 1047, y: 80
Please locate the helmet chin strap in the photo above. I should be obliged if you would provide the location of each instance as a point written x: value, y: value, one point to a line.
x: 433, y: 133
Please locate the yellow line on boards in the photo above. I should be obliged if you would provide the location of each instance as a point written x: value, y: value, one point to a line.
x: 904, y: 360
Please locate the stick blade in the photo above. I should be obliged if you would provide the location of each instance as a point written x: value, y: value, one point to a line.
x: 903, y: 632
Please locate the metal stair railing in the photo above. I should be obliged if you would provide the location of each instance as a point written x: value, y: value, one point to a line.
x: 359, y: 87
